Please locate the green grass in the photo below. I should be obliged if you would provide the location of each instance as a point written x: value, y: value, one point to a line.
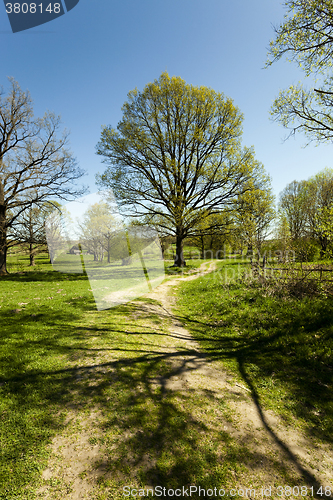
x: 279, y: 347
x: 19, y: 262
x: 40, y: 326
x: 191, y: 265
x: 59, y: 355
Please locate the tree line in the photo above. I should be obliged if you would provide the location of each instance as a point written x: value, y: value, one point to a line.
x: 306, y: 216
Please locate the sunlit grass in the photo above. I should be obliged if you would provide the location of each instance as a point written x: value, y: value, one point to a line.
x: 58, y: 354
x: 280, y: 347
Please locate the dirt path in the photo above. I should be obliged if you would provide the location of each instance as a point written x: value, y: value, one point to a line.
x: 278, y: 451
x: 263, y: 431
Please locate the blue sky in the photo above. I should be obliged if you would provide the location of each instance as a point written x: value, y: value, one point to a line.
x: 83, y: 64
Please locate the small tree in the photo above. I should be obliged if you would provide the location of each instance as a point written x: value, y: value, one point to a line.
x: 57, y: 224
x: 283, y: 243
x: 99, y: 230
x: 319, y: 193
x: 255, y: 212
x: 213, y: 234
x: 294, y: 206
x: 325, y: 227
x: 29, y: 229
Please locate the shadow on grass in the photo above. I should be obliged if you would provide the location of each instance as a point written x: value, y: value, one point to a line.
x: 281, y: 348
x: 45, y: 276
x: 152, y: 435
x: 291, y: 348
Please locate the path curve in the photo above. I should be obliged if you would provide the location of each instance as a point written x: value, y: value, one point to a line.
x: 265, y: 431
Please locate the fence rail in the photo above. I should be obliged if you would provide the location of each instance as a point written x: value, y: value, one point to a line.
x: 304, y: 272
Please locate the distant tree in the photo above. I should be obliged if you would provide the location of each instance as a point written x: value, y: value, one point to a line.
x: 176, y: 157
x: 319, y: 191
x: 213, y: 234
x: 306, y: 38
x: 325, y: 228
x: 305, y: 207
x: 255, y: 212
x: 283, y: 243
x: 57, y: 224
x: 293, y: 206
x: 35, y: 165
x: 99, y: 230
x: 29, y: 228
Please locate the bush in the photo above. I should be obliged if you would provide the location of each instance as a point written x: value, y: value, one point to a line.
x: 305, y: 250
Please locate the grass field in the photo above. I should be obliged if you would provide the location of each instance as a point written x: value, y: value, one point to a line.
x: 280, y: 347
x: 61, y: 357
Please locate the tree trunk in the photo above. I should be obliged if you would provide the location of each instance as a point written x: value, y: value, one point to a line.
x: 179, y: 257
x: 202, y: 247
x: 249, y: 252
x: 323, y: 244
x: 3, y: 252
x: 109, y: 251
x: 31, y: 255
x: 3, y: 233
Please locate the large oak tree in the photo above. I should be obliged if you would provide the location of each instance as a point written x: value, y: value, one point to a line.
x: 175, y: 158
x: 35, y: 164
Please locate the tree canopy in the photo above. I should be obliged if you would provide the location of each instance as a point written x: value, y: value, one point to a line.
x: 306, y: 38
x: 293, y: 207
x: 175, y: 158
x: 256, y: 211
x: 29, y: 228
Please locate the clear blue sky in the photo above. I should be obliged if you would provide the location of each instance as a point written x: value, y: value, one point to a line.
x: 83, y: 64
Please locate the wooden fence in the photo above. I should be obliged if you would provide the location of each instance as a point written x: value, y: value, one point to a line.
x: 301, y: 272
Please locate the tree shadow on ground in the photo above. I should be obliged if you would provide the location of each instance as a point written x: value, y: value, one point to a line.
x: 151, y: 434
x: 280, y: 347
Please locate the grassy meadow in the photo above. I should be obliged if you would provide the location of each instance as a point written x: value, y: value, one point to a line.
x: 61, y: 357
x: 278, y: 344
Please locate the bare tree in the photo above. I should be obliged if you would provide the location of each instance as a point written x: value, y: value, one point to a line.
x: 35, y: 164
x: 29, y: 229
x: 98, y: 230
